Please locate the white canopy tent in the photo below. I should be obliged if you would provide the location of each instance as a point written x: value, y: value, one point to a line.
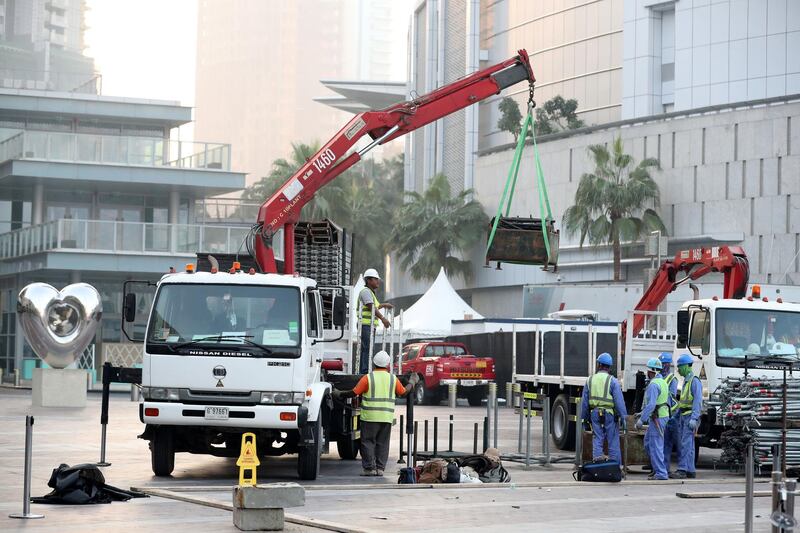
x: 432, y: 314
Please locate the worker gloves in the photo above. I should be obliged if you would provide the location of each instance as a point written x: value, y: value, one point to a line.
x: 337, y: 394
x: 693, y: 424
x: 639, y: 424
x: 623, y: 424
x: 413, y: 380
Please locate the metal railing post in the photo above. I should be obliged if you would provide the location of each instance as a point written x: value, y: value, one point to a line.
x: 546, y: 430
x: 26, y: 488
x: 748, y: 490
x: 494, y: 419
x: 529, y: 404
x: 579, y: 434
x: 776, y: 478
x: 452, y: 398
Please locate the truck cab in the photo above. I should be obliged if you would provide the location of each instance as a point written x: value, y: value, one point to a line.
x: 228, y: 353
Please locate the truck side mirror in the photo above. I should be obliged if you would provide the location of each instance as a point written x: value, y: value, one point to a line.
x: 683, y: 328
x: 129, y: 307
x: 339, y: 311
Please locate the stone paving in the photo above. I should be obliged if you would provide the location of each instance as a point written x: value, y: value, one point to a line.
x: 539, y: 499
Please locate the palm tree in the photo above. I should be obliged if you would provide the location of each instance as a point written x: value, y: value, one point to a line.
x: 433, y: 226
x: 616, y: 202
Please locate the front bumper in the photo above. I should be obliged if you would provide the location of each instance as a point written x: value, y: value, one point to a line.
x: 251, y: 416
x: 464, y: 382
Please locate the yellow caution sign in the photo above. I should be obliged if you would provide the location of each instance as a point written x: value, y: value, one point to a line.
x: 248, y: 460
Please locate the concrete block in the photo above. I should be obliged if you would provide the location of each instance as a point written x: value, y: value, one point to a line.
x: 59, y: 387
x: 719, y: 144
x: 732, y: 215
x: 258, y: 519
x: 271, y: 496
x: 710, y: 182
x: 754, y: 137
x: 769, y: 215
x: 790, y: 175
x: 686, y: 217
x: 770, y: 177
x: 752, y: 178
x: 794, y: 214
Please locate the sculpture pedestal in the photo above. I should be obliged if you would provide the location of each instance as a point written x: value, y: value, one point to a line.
x: 59, y: 387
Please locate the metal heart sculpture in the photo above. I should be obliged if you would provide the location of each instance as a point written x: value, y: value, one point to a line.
x: 59, y: 325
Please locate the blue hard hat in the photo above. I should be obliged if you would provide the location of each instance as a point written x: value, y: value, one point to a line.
x: 654, y: 364
x: 605, y: 359
x: 665, y: 357
x: 685, y: 359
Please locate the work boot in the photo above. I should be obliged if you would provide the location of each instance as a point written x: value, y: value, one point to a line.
x: 652, y: 476
x: 679, y: 474
x: 691, y: 475
x: 367, y: 472
x: 379, y: 472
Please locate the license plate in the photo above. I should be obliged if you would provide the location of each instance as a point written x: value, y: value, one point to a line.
x: 467, y: 382
x: 216, y: 413
x: 480, y: 364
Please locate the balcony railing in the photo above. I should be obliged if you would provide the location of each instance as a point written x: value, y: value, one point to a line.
x: 104, y: 236
x: 226, y: 211
x: 54, y: 80
x: 115, y: 149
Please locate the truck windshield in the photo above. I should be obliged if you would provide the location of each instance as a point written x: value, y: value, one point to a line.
x: 238, y: 317
x: 756, y: 334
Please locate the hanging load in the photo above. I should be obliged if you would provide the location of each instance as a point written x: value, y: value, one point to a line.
x: 527, y: 241
x: 524, y: 240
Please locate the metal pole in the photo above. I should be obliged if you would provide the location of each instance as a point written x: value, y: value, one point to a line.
x: 509, y: 394
x: 426, y: 435
x: 791, y: 488
x: 400, y: 348
x: 475, y: 440
x: 529, y: 404
x: 489, y: 407
x: 391, y: 341
x: 371, y: 338
x: 452, y: 397
x: 485, y: 433
x: 748, y: 490
x: 416, y: 430
x: 521, y: 414
x: 409, y: 428
x: 450, y: 437
x: 776, y: 481
x: 494, y: 440
x: 107, y: 371
x: 513, y: 353
x: 546, y: 430
x: 26, y: 488
x: 435, y: 435
x: 579, y: 434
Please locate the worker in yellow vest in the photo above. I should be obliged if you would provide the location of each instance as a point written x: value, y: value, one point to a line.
x: 689, y: 405
x: 602, y: 405
x: 369, y: 301
x: 656, y: 411
x: 378, y: 389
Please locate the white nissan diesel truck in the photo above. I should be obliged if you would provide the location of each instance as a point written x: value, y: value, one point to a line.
x: 233, y: 352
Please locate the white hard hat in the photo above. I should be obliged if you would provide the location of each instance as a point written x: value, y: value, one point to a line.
x: 371, y: 273
x: 382, y: 359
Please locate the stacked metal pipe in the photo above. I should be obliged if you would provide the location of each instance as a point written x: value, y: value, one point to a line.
x: 753, y: 410
x: 751, y: 401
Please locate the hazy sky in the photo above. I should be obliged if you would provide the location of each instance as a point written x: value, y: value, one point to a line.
x: 144, y: 48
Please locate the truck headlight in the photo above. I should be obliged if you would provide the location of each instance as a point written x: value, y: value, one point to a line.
x: 160, y: 393
x: 282, y: 398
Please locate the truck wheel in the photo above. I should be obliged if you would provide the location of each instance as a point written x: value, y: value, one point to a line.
x: 162, y: 451
x: 348, y: 448
x: 308, y: 456
x: 561, y: 429
x: 476, y: 395
x: 422, y: 394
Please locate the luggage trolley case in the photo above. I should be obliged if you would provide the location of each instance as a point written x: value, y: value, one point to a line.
x: 603, y: 471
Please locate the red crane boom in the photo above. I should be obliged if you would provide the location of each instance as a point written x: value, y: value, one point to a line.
x: 282, y: 209
x: 695, y: 263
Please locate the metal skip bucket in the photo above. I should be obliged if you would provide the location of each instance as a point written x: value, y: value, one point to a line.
x: 521, y: 240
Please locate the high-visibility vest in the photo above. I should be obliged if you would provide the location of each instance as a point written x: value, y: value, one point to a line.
x: 377, y: 404
x: 662, y: 405
x: 600, y: 391
x: 687, y: 398
x: 669, y: 379
x: 366, y: 314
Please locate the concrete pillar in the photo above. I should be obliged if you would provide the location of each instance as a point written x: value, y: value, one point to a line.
x: 37, y: 209
x: 174, y: 211
x: 75, y: 276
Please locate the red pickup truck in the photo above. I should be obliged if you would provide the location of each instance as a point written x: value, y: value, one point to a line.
x: 441, y: 363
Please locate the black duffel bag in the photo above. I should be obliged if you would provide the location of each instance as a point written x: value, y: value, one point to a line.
x: 603, y: 470
x: 82, y: 484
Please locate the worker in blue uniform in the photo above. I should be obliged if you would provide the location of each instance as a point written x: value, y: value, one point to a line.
x: 656, y: 411
x: 602, y: 404
x: 671, y: 431
x: 689, y: 404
